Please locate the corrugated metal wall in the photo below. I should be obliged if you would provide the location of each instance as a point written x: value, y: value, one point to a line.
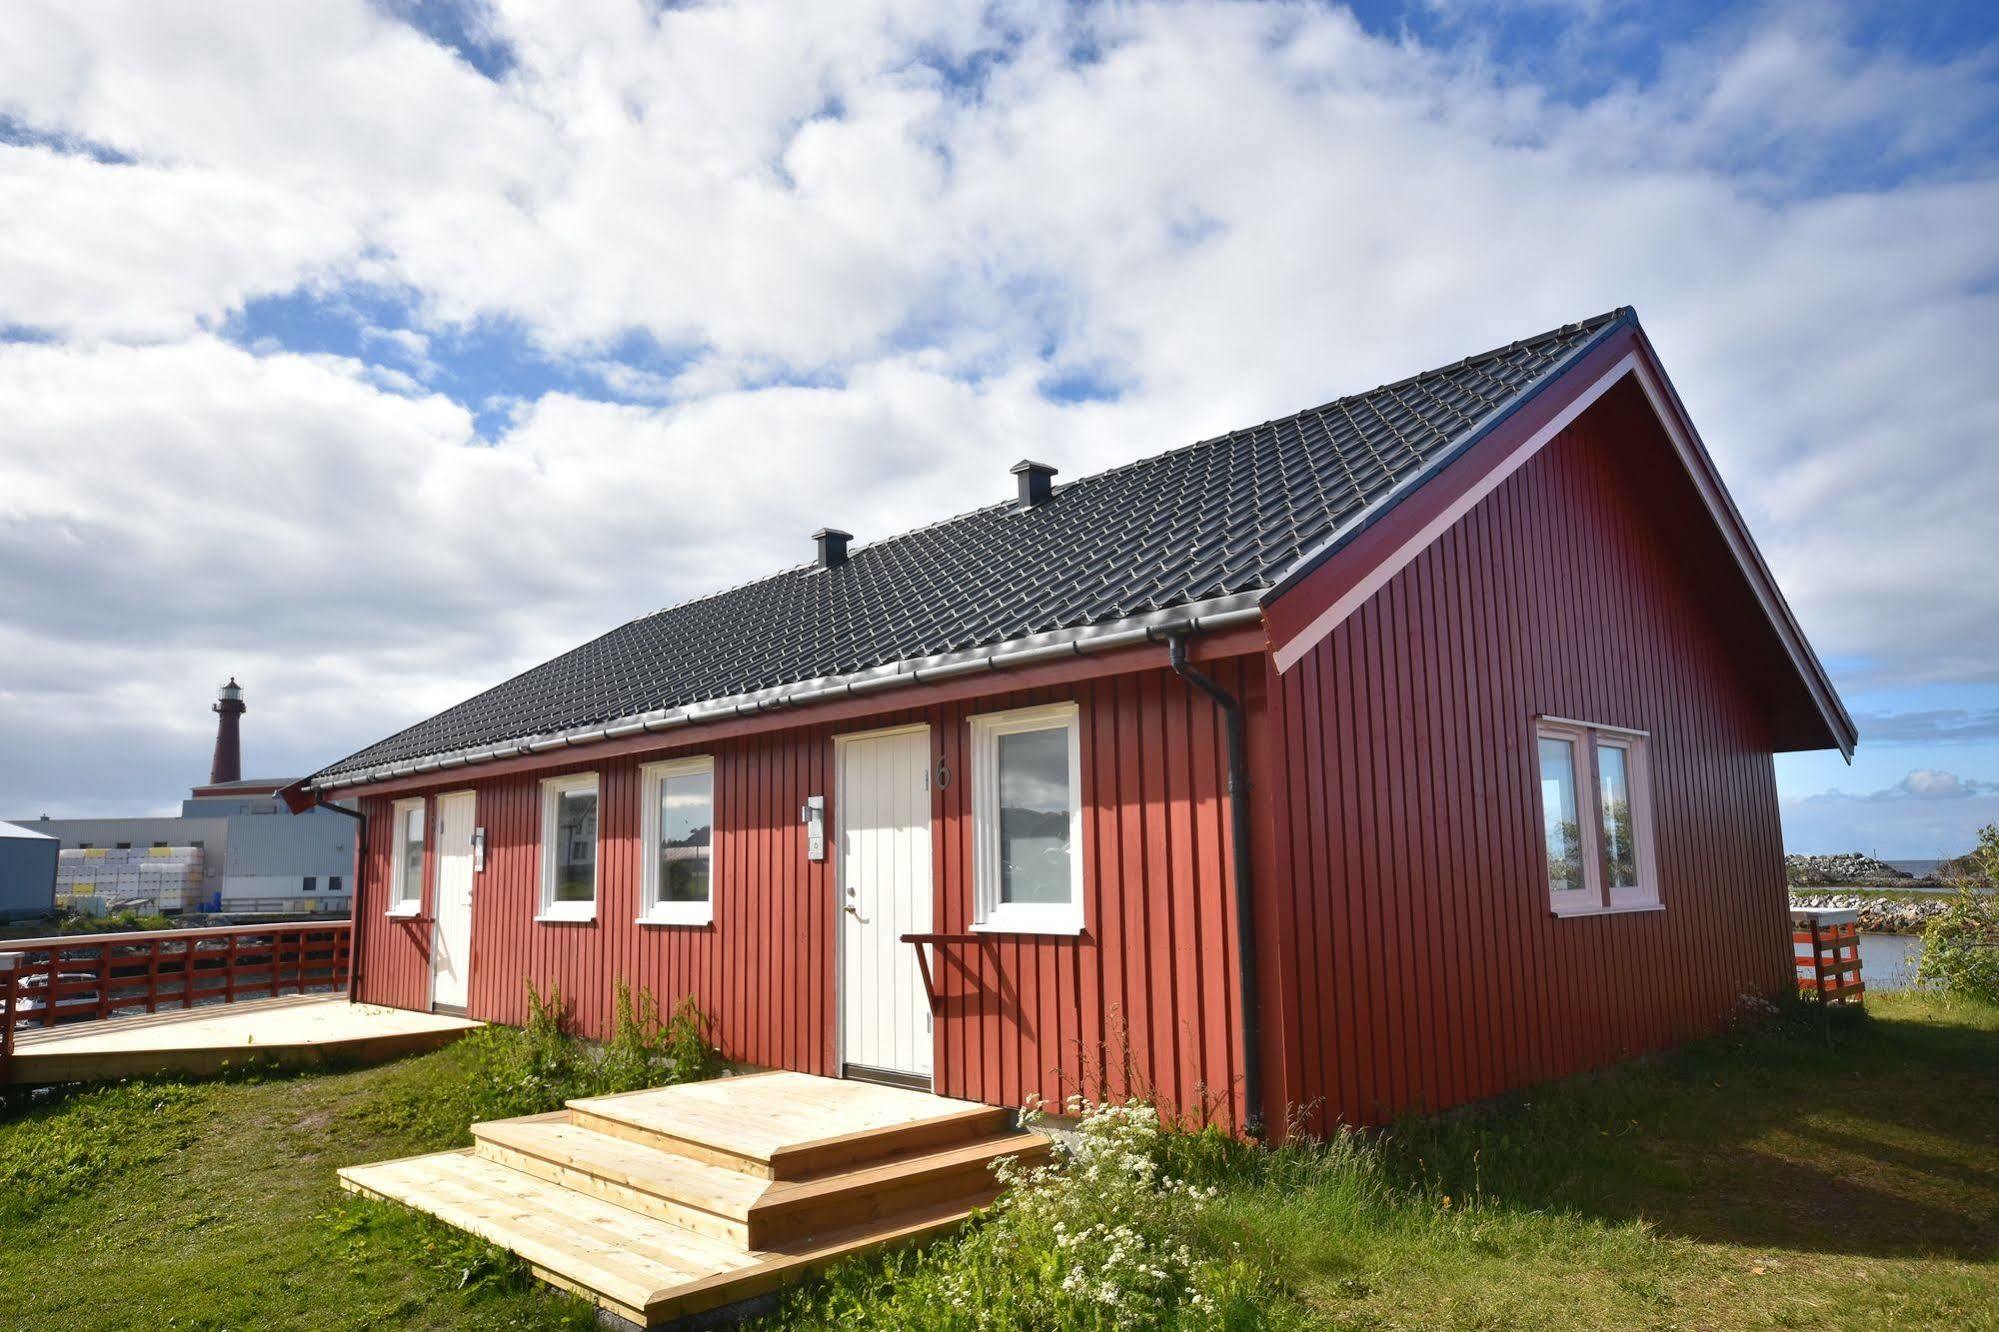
x: 1426, y: 968
x: 1146, y: 993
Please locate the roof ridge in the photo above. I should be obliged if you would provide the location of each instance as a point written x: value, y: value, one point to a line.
x: 1565, y: 330
x: 807, y: 567
x: 1169, y: 528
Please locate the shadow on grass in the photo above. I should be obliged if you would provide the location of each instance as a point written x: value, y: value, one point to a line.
x: 1859, y: 1136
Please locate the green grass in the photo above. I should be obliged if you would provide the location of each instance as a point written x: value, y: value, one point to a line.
x: 1811, y: 1175
x: 1818, y: 1174
x: 214, y: 1206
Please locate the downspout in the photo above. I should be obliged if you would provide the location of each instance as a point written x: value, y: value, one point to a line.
x: 355, y: 932
x: 1245, y: 882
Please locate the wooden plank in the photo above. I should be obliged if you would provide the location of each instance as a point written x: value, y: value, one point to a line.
x: 648, y: 1269
x: 786, y: 1123
x: 795, y: 1211
x: 293, y: 1031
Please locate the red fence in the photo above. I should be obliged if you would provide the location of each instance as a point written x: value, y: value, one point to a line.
x: 1826, y: 946
x: 81, y: 977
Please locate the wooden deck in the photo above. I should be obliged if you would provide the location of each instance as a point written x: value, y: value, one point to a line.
x: 663, y: 1203
x: 295, y: 1031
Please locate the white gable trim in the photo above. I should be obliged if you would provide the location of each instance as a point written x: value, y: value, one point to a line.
x: 1693, y: 457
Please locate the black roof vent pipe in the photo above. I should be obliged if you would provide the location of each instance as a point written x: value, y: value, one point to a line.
x: 832, y: 546
x: 1037, y: 484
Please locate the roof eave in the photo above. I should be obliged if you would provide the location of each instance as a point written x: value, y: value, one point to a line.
x: 1188, y: 618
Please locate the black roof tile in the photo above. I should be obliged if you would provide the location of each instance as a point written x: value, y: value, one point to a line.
x: 1226, y: 515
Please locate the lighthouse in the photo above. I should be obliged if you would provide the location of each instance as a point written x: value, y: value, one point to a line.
x: 229, y: 708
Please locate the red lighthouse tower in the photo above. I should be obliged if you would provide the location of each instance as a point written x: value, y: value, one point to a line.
x: 229, y: 708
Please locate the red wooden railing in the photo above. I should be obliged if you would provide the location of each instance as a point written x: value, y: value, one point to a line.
x: 1826, y: 948
x: 83, y: 977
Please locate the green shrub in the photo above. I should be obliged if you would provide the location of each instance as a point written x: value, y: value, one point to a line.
x: 68, y: 920
x: 1961, y: 947
x: 1105, y: 1236
x: 644, y: 1052
x: 538, y: 1066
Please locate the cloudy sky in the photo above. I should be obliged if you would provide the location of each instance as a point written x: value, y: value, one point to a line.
x: 372, y: 352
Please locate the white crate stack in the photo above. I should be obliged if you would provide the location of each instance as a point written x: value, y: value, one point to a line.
x: 152, y: 878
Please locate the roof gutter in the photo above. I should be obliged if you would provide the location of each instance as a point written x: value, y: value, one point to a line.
x: 357, y: 934
x: 1089, y: 640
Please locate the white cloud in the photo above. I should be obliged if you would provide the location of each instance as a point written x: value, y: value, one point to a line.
x: 1936, y: 784
x: 143, y: 251
x: 1929, y: 813
x: 1229, y: 211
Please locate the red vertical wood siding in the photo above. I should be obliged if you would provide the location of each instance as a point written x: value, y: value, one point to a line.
x: 1143, y: 1001
x: 1409, y: 959
x: 1427, y: 968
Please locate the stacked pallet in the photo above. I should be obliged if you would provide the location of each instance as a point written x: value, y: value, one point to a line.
x: 151, y: 878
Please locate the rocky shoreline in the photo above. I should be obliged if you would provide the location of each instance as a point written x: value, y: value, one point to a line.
x: 1850, y: 870
x: 1877, y: 914
x: 1853, y: 870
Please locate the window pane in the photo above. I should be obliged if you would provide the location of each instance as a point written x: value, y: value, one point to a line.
x: 1561, y: 828
x: 1034, y: 816
x: 413, y: 854
x: 686, y: 836
x: 1613, y: 780
x: 576, y: 846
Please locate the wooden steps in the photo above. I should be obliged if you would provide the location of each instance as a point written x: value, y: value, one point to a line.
x: 791, y: 1125
x: 675, y: 1200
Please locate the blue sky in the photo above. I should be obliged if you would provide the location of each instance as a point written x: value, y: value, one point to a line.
x: 375, y: 351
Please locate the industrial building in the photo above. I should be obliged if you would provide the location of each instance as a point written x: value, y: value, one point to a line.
x: 27, y: 872
x: 232, y: 849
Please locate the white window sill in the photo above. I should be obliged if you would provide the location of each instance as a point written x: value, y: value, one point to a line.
x: 1061, y: 929
x: 1621, y: 910
x: 405, y: 910
x: 567, y: 917
x: 704, y: 917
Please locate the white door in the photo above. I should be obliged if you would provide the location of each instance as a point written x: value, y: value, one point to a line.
x: 451, y: 938
x: 883, y: 806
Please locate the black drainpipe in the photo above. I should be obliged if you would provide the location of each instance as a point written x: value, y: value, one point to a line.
x: 360, y: 882
x: 1245, y: 882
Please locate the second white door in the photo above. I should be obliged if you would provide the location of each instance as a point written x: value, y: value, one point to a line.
x: 451, y: 938
x: 883, y: 807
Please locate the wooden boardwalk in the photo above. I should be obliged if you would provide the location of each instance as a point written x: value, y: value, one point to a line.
x: 663, y: 1203
x: 299, y: 1030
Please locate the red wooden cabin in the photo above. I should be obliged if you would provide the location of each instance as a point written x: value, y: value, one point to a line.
x: 1504, y: 667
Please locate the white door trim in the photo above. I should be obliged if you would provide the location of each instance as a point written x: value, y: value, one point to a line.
x: 841, y: 743
x: 438, y: 910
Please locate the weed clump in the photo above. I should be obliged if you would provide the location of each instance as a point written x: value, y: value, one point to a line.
x: 539, y: 1065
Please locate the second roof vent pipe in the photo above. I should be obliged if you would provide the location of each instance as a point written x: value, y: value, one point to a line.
x: 1037, y: 484
x: 832, y: 546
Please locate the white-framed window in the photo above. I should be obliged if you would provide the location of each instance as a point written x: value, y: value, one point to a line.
x: 406, y: 875
x: 1027, y: 819
x: 1596, y: 817
x: 569, y: 847
x: 677, y: 830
